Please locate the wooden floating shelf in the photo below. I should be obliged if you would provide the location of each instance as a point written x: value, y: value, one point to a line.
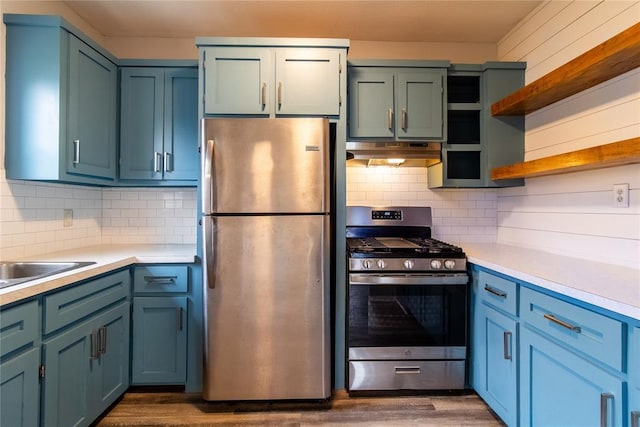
x: 614, y: 154
x: 609, y: 59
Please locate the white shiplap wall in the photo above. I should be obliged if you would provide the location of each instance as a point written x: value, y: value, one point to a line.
x: 573, y: 213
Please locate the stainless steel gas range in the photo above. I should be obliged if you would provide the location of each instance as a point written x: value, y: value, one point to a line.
x: 407, y: 302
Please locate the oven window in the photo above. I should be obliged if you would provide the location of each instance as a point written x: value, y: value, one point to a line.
x: 409, y: 315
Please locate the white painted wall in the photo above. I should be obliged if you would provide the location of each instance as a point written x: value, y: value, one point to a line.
x: 573, y: 213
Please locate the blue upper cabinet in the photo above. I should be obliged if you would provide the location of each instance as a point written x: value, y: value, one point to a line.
x: 237, y: 80
x: 159, y: 125
x: 475, y: 141
x: 61, y: 93
x: 307, y: 82
x: 271, y: 77
x: 92, y: 112
x: 370, y: 103
x: 397, y: 100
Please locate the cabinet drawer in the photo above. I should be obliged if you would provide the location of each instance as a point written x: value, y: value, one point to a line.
x: 591, y: 333
x: 18, y: 327
x: 65, y: 307
x: 161, y: 278
x: 406, y: 375
x: 499, y: 292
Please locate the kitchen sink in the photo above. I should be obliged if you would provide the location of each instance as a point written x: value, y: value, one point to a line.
x: 13, y: 273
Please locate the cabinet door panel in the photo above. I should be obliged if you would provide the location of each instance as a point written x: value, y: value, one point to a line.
x: 307, y: 82
x: 371, y: 104
x: 181, y: 124
x: 68, y: 363
x: 634, y: 376
x: 92, y: 112
x: 159, y: 340
x: 500, y: 348
x: 19, y: 388
x: 419, y: 110
x: 558, y: 388
x: 112, y: 377
x: 141, y: 123
x: 237, y: 80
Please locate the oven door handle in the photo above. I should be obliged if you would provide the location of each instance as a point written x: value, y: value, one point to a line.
x: 408, y: 279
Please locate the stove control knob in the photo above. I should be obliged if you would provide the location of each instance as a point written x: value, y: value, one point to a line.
x: 381, y: 264
x: 436, y: 264
x: 408, y: 264
x: 367, y: 264
x: 449, y: 264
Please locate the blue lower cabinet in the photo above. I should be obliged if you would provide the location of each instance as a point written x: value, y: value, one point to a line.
x: 19, y: 364
x: 159, y: 353
x: 112, y: 373
x: 561, y: 389
x: 494, y: 345
x: 634, y: 377
x: 20, y: 390
x: 497, y: 370
x: 86, y: 368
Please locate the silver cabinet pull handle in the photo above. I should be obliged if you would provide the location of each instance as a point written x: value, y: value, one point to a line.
x: 407, y: 369
x: 404, y: 119
x: 506, y: 338
x: 94, y: 345
x: 495, y: 291
x: 157, y: 280
x: 102, y: 340
x: 179, y: 324
x: 263, y: 94
x: 390, y: 119
x: 562, y: 323
x: 157, y: 157
x: 76, y: 151
x: 635, y: 418
x: 604, y: 408
x: 168, y: 164
x: 279, y: 94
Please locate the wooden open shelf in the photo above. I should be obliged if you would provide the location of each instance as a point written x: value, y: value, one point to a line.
x: 609, y: 59
x: 614, y: 154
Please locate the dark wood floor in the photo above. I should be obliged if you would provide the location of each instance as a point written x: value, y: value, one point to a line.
x: 180, y: 409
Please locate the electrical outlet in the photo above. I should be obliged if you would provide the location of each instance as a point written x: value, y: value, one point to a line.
x: 621, y: 195
x: 67, y: 218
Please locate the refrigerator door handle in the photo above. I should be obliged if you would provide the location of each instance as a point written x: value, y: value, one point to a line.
x: 207, y: 176
x: 209, y: 252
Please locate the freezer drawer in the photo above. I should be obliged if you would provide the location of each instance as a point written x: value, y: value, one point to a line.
x: 267, y: 308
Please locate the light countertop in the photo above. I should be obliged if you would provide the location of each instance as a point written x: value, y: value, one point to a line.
x: 106, y: 257
x: 611, y: 287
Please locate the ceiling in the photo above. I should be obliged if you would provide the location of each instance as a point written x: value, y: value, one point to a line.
x: 477, y: 21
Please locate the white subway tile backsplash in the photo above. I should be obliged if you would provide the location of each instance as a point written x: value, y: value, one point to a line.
x: 31, y: 216
x: 459, y: 215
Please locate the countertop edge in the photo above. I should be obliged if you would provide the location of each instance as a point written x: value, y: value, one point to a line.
x: 572, y: 277
x: 107, y: 258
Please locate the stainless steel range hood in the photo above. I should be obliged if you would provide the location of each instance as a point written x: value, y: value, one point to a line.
x: 412, y: 153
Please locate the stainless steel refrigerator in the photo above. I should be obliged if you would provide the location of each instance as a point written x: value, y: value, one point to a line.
x: 266, y: 225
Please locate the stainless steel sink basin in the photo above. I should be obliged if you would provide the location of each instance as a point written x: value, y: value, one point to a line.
x: 12, y: 273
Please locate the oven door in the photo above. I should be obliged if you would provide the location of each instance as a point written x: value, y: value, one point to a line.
x: 407, y: 332
x: 400, y: 316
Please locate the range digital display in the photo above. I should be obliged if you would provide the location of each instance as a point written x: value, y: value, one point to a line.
x: 389, y: 215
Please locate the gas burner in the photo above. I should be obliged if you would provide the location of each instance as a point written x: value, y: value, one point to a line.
x: 411, y: 246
